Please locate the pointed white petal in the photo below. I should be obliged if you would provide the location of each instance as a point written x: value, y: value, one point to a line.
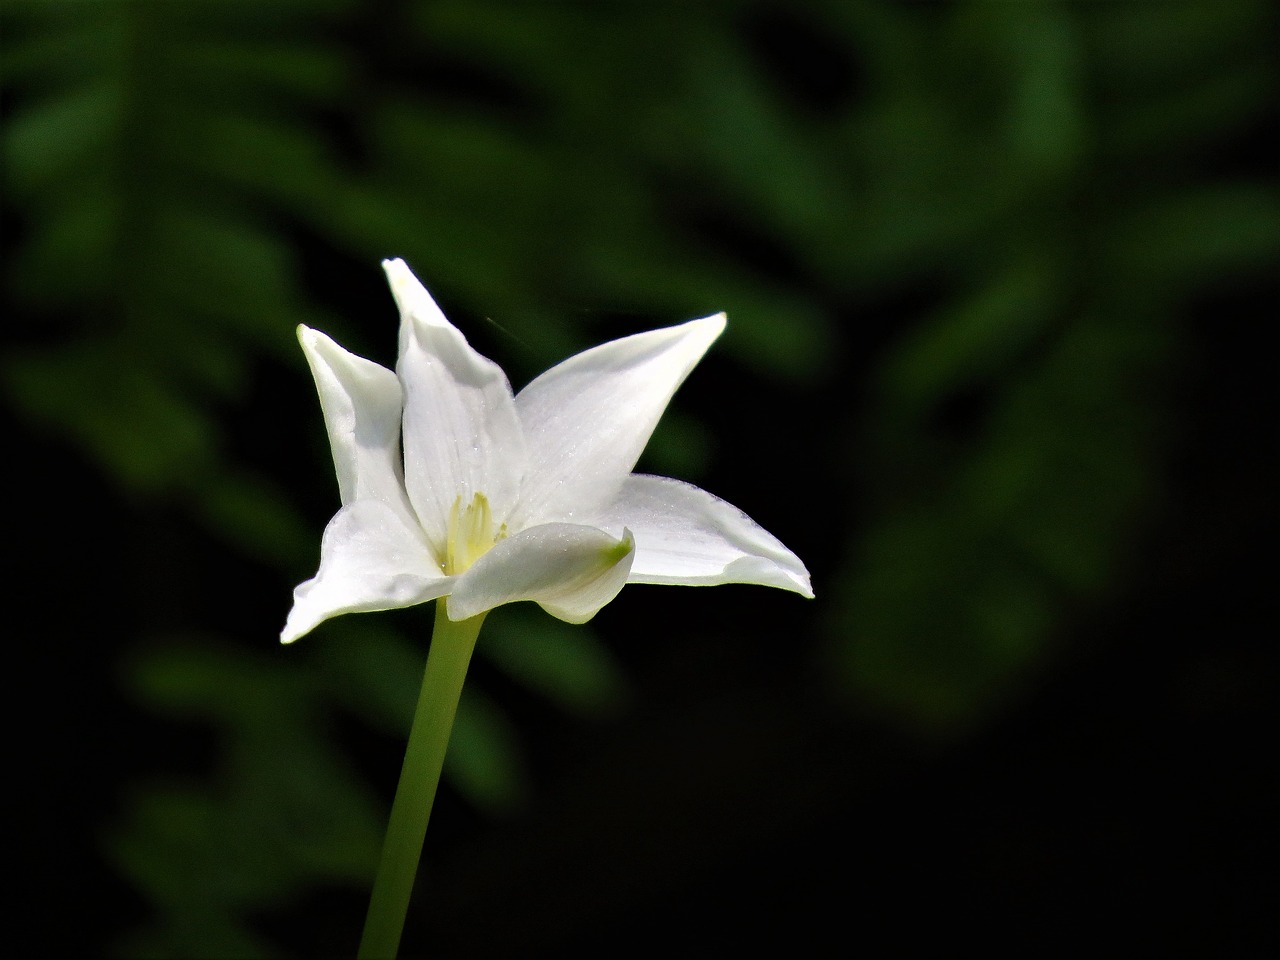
x: 370, y: 559
x: 570, y: 570
x: 587, y: 419
x: 685, y: 535
x: 361, y: 402
x: 461, y: 432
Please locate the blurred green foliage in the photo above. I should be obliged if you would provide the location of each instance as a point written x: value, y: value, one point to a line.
x: 1002, y: 205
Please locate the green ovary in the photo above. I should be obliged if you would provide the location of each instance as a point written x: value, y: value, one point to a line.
x: 470, y: 534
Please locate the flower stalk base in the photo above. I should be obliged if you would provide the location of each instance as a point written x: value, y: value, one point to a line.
x: 447, y: 661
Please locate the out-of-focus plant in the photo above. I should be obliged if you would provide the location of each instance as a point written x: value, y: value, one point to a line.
x: 1013, y: 445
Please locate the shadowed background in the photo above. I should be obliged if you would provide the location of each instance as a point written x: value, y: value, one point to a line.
x: 996, y: 277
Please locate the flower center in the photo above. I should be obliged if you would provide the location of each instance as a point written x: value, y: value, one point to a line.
x: 470, y: 534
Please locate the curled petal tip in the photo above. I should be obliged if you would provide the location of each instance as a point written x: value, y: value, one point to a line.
x: 411, y: 296
x: 399, y: 276
x: 292, y: 631
x: 623, y: 548
x: 707, y: 330
x: 716, y: 322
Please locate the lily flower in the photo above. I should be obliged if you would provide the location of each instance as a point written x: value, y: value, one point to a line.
x: 501, y: 497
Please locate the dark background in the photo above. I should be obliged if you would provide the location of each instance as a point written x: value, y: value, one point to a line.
x: 999, y: 279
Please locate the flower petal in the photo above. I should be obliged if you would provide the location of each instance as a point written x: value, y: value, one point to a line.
x: 461, y: 432
x: 685, y: 535
x: 570, y: 570
x: 587, y: 420
x: 361, y: 402
x: 371, y: 558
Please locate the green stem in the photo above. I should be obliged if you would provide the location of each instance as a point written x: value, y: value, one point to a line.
x: 447, y: 660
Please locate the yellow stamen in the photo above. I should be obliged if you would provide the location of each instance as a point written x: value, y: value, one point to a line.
x: 470, y: 534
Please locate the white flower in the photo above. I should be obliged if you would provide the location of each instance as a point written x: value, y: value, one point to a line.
x: 501, y: 498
